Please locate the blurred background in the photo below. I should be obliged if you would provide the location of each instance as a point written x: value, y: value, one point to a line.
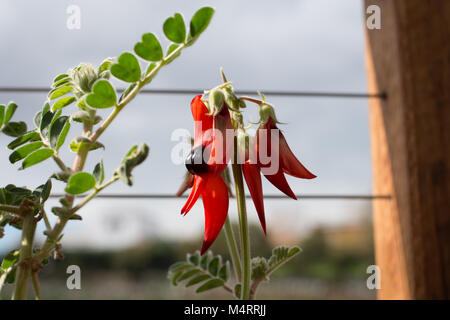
x: 124, y: 246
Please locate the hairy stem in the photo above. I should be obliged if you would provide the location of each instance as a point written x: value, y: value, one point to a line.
x: 243, y: 225
x: 10, y: 209
x: 37, y: 289
x: 232, y: 246
x: 94, y: 193
x: 23, y: 272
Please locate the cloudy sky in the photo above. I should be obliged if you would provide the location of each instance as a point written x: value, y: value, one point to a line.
x: 306, y: 45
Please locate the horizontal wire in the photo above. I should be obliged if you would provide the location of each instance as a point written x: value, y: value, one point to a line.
x: 239, y: 92
x: 270, y: 196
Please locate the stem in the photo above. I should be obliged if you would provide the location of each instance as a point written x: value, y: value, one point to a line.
x: 23, y: 272
x: 36, y: 286
x: 243, y: 224
x: 232, y: 246
x: 253, y: 288
x: 259, y: 102
x: 94, y: 193
x: 54, y: 234
x: 60, y: 163
x: 10, y: 209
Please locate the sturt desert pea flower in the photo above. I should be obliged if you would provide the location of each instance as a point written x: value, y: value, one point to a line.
x: 281, y: 161
x: 206, y: 161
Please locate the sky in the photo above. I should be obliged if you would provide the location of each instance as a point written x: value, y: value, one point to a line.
x: 301, y: 45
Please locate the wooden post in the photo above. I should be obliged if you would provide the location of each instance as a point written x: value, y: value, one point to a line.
x: 409, y: 60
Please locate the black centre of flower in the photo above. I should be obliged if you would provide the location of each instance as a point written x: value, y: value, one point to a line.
x: 195, y: 163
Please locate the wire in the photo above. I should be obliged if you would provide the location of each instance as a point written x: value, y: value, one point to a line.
x: 312, y: 94
x: 271, y: 196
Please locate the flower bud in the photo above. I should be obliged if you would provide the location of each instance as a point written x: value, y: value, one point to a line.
x: 266, y: 111
x: 216, y: 100
x: 83, y: 77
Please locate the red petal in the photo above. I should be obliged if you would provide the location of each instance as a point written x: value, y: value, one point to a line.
x: 215, y: 201
x: 290, y: 163
x: 253, y: 179
x: 222, y: 147
x: 197, y: 188
x: 279, y: 180
x: 203, y: 121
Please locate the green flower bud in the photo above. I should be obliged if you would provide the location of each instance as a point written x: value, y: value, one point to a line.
x: 216, y: 100
x: 83, y: 77
x: 266, y: 111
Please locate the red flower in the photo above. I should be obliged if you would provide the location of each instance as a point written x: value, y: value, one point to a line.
x: 208, y: 158
x: 282, y: 161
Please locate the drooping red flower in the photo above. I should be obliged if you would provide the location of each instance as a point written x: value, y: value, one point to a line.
x: 208, y: 158
x: 281, y: 161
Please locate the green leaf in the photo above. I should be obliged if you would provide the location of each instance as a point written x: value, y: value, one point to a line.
x: 174, y: 28
x: 62, y: 83
x: 57, y: 131
x: 63, y: 135
x: 59, y: 77
x: 63, y: 102
x: 12, y: 107
x: 194, y: 258
x: 205, y: 260
x: 133, y: 158
x: 99, y: 173
x: 59, y: 92
x: 37, y: 119
x: 29, y: 136
x: 2, y: 114
x: 224, y: 272
x: 200, y: 21
x: 103, y: 95
x: 127, y: 68
x: 105, y: 65
x: 45, y: 123
x: 198, y: 279
x: 175, y: 278
x: 149, y: 48
x: 46, y: 190
x: 188, y: 274
x: 15, y: 129
x: 80, y: 182
x: 281, y: 255
x: 179, y: 266
x: 37, y: 157
x: 213, y: 266
x: 10, y: 259
x: 8, y: 273
x: 24, y: 151
x: 150, y: 67
x: 211, y: 284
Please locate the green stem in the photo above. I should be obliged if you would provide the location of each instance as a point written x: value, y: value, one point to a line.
x: 232, y: 246
x: 10, y: 209
x: 94, y: 193
x: 243, y: 225
x: 23, y: 272
x: 37, y: 289
x: 54, y: 234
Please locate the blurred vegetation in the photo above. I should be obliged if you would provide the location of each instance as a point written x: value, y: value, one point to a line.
x: 330, y: 261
